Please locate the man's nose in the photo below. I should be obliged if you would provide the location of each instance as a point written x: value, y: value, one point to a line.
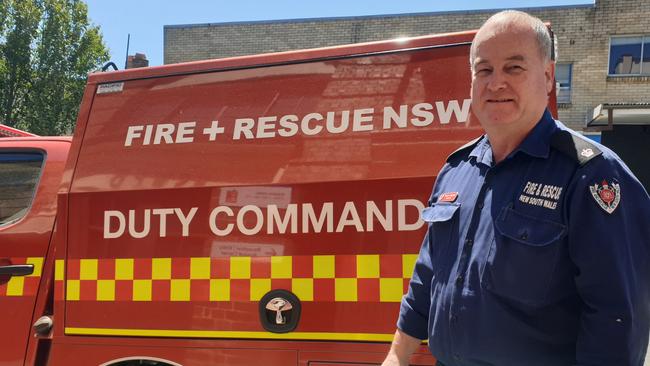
x: 497, y: 81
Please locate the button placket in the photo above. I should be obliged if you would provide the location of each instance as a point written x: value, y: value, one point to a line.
x: 469, y: 242
x: 476, y: 214
x: 459, y: 282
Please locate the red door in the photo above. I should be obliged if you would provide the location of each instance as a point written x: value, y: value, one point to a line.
x: 30, y: 172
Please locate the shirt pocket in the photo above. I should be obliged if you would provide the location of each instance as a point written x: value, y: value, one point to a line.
x: 523, y: 257
x: 442, y: 224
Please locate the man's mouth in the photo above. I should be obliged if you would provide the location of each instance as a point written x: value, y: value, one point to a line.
x: 500, y: 100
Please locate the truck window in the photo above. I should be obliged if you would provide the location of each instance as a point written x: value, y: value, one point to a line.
x: 19, y: 173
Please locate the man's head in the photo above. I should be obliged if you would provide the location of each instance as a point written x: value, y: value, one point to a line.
x: 512, y: 71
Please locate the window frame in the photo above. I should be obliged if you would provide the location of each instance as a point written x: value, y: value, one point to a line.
x: 609, y: 54
x: 28, y: 208
x: 558, y: 87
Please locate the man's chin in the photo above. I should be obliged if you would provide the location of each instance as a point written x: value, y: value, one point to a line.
x: 498, y: 119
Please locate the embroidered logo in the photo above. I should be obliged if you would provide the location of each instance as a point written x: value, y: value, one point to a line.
x: 448, y: 197
x: 607, y: 196
x: 542, y: 195
x: 587, y: 152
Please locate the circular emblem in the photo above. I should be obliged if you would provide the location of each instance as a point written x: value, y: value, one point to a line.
x: 607, y: 195
x: 279, y: 311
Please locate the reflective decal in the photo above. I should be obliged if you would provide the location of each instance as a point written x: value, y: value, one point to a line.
x: 319, y: 278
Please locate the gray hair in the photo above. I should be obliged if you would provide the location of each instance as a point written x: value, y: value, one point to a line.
x: 542, y: 34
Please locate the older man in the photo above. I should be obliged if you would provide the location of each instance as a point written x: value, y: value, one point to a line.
x: 538, y: 246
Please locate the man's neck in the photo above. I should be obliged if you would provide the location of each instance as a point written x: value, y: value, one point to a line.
x: 504, y: 140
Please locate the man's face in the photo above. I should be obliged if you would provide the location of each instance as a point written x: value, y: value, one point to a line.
x: 510, y: 79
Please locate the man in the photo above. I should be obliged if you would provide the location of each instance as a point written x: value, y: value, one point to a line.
x: 538, y: 245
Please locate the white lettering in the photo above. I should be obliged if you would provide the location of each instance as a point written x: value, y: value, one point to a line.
x: 213, y: 130
x: 345, y: 122
x: 401, y: 214
x: 424, y: 114
x: 186, y: 219
x: 309, y: 216
x: 362, y: 119
x: 333, y: 122
x: 131, y: 133
x: 146, y: 225
x: 304, y: 124
x: 121, y: 221
x: 185, y: 132
x: 265, y: 127
x: 349, y: 217
x: 272, y: 219
x: 148, y: 132
x: 289, y: 125
x: 461, y: 114
x: 290, y: 217
x: 164, y: 131
x: 391, y: 116
x: 243, y: 126
x: 259, y: 220
x: 162, y: 213
x: 372, y: 212
x: 213, y: 221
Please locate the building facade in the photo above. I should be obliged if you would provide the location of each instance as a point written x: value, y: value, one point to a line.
x: 604, y: 48
x: 602, y: 73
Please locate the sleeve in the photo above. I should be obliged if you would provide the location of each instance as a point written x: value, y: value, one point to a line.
x: 414, y: 310
x: 609, y: 242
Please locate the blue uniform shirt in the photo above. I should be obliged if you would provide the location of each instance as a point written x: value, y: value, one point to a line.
x: 541, y: 259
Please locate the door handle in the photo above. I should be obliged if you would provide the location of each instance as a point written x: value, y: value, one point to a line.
x: 17, y: 270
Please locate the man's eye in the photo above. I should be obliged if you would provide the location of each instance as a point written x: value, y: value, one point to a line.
x: 515, y: 68
x: 483, y: 72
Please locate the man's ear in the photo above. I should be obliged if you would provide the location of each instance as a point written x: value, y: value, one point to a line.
x: 549, y: 73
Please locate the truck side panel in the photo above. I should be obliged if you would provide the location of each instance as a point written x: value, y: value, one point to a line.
x: 195, y: 195
x: 25, y: 234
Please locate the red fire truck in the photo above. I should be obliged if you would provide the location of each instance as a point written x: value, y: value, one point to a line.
x: 244, y: 211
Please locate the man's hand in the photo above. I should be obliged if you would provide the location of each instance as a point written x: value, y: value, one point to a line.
x: 401, y: 349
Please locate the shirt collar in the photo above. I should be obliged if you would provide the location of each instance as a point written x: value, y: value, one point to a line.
x: 537, y: 143
x: 482, y: 151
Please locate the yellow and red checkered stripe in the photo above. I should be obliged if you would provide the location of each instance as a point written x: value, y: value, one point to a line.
x: 351, y: 278
x: 23, y: 285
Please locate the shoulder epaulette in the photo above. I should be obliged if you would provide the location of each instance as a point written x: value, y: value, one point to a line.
x: 577, y: 148
x: 468, y: 145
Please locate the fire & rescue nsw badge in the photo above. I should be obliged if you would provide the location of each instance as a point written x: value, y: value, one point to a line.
x: 607, y: 195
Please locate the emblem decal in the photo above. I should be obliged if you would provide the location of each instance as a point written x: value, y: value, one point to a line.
x: 607, y: 196
x: 587, y: 152
x: 279, y: 305
x: 448, y: 197
x: 279, y: 311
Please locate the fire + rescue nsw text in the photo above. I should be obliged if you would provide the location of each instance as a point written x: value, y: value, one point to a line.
x: 358, y: 120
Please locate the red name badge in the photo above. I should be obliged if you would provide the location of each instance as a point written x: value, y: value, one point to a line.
x: 448, y: 197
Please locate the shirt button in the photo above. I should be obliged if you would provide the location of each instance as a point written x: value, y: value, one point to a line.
x: 523, y: 236
x: 480, y: 205
x: 459, y: 280
x: 469, y: 242
x: 454, y: 318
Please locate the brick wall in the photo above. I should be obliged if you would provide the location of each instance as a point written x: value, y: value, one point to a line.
x: 583, y: 39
